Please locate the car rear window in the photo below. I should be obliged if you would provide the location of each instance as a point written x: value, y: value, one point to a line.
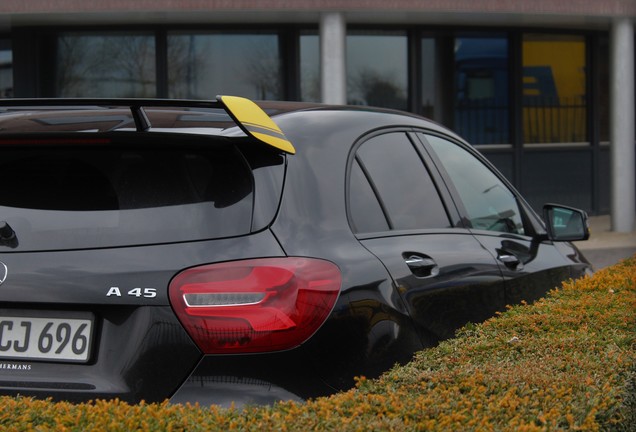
x: 63, y: 197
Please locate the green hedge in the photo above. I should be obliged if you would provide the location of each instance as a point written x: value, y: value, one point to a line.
x: 567, y: 362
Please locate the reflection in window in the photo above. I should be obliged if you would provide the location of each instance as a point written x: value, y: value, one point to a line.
x: 410, y: 199
x: 604, y: 89
x: 6, y: 69
x: 488, y: 202
x: 310, y: 68
x: 554, y: 89
x: 116, y: 65
x: 481, y: 89
x: 428, y: 78
x: 377, y: 69
x: 201, y: 66
x: 366, y: 213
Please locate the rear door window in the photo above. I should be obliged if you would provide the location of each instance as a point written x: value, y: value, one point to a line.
x: 87, y: 196
x: 398, y: 192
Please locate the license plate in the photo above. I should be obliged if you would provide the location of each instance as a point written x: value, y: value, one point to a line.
x: 54, y: 338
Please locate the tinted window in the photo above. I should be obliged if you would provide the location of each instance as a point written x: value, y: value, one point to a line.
x: 366, y: 213
x: 6, y: 69
x: 84, y: 196
x: 377, y: 83
x: 105, y: 65
x: 310, y: 67
x: 200, y: 65
x: 402, y: 185
x: 489, y: 204
x: 429, y: 80
x: 481, y: 89
x: 554, y: 89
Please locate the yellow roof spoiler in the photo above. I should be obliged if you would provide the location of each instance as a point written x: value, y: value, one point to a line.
x: 255, y: 122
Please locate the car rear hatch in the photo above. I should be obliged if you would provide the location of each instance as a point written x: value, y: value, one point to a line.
x: 99, y: 210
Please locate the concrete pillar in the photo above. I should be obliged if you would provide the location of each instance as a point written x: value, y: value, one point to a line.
x: 333, y: 69
x: 622, y: 134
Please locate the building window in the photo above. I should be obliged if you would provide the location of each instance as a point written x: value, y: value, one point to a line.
x: 603, y: 91
x: 428, y: 78
x: 310, y: 68
x: 377, y: 69
x: 481, y: 89
x: 554, y: 89
x: 201, y: 66
x: 6, y: 69
x: 113, y: 65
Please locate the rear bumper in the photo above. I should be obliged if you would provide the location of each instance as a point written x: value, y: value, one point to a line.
x: 228, y: 391
x: 139, y: 353
x: 253, y: 379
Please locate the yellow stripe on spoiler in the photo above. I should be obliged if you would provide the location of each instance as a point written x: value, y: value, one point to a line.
x: 256, y: 123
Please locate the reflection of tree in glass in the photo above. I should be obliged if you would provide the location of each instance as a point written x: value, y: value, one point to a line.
x: 310, y: 82
x: 72, y: 66
x: 183, y: 65
x: 262, y: 70
x: 131, y: 60
x: 374, y: 89
x: 113, y: 66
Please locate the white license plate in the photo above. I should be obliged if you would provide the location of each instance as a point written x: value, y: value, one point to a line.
x: 45, y: 338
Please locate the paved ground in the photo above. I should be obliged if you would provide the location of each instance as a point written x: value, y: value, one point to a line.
x: 605, y: 247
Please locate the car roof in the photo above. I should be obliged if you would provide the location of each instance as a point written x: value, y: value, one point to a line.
x: 357, y: 118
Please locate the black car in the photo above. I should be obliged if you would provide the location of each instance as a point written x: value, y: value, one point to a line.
x: 198, y: 251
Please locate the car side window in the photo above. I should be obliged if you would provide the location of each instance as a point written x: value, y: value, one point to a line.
x: 388, y: 178
x: 489, y: 204
x: 366, y: 212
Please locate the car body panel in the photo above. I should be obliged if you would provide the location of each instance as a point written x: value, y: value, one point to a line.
x: 466, y: 285
x: 133, y: 330
x: 538, y: 266
x: 127, y: 343
x: 85, y: 277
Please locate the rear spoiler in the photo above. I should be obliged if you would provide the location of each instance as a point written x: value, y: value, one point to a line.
x: 246, y: 114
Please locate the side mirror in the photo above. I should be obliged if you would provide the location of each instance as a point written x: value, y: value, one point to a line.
x: 565, y: 223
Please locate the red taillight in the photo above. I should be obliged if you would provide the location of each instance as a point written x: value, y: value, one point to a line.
x: 257, y: 305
